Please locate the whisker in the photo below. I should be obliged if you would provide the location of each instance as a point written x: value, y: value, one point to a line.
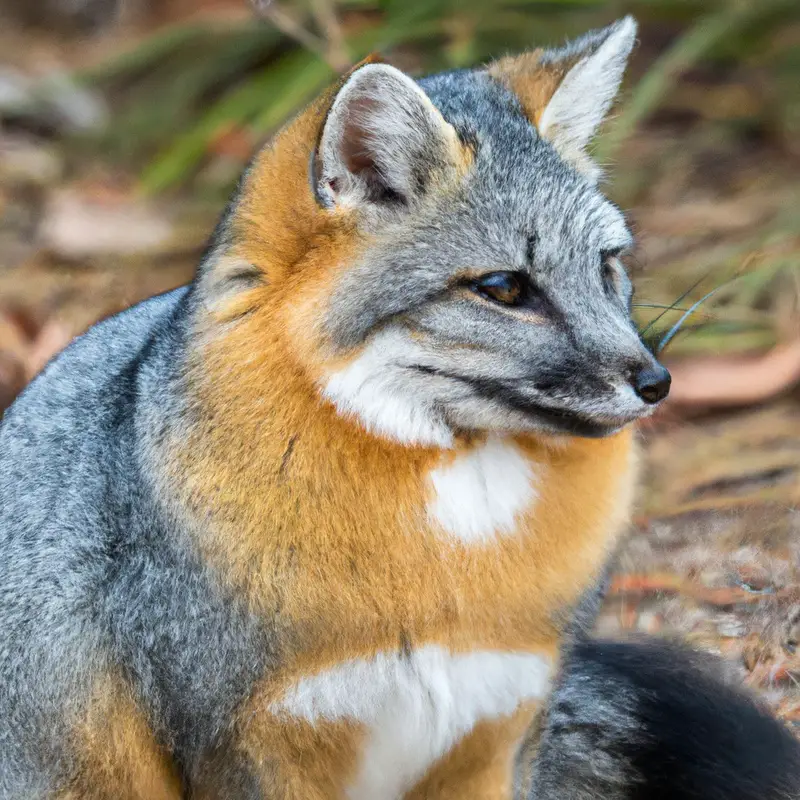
x: 651, y: 305
x: 677, y: 326
x: 659, y: 305
x: 675, y: 303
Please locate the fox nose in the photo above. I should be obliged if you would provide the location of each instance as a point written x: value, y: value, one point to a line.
x: 652, y: 384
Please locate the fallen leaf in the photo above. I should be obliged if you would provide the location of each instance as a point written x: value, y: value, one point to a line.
x: 26, y: 345
x: 77, y: 226
x: 17, y: 330
x: 52, y: 339
x: 711, y: 382
x: 12, y: 378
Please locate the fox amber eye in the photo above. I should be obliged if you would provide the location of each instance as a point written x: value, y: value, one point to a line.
x: 507, y: 288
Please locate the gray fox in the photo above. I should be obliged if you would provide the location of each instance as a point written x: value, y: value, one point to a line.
x: 320, y: 524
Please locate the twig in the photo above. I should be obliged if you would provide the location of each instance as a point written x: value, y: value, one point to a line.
x: 288, y: 25
x: 328, y: 22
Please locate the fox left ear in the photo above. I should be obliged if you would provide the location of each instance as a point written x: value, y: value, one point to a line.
x: 383, y: 143
x: 567, y: 92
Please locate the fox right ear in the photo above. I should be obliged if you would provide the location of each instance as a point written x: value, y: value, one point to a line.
x: 383, y: 142
x: 567, y: 92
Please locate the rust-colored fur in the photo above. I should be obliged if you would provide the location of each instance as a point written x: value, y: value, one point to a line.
x: 480, y: 766
x: 533, y: 83
x: 323, y: 526
x: 118, y: 755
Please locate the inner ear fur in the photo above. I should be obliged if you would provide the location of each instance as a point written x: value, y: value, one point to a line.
x: 383, y: 143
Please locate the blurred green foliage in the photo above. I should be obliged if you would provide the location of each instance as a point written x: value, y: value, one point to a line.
x: 194, y: 99
x: 188, y: 84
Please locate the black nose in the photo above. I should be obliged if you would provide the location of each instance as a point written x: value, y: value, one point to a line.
x: 652, y: 384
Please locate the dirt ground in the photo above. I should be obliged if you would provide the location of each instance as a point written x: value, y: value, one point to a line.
x: 714, y: 550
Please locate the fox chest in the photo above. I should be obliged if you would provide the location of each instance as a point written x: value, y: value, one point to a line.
x: 408, y: 709
x: 482, y: 548
x: 437, y: 627
x: 415, y: 605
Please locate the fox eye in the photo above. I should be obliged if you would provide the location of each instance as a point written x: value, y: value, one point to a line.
x: 507, y: 288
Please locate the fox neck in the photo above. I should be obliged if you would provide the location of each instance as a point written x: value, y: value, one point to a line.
x: 269, y: 473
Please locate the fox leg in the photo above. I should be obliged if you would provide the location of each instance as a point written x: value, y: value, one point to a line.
x: 116, y: 754
x: 481, y: 765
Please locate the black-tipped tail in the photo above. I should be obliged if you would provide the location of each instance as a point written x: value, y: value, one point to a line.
x: 652, y: 721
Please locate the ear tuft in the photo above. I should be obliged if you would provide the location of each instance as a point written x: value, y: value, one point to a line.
x: 383, y: 142
x: 567, y: 92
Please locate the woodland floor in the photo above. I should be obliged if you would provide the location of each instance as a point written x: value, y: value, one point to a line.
x: 714, y: 551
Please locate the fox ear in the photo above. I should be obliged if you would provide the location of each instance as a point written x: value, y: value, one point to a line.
x: 567, y: 92
x: 383, y: 142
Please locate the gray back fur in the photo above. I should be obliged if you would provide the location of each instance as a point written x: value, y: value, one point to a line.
x: 94, y: 576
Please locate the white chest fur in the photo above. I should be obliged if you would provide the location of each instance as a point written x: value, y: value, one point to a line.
x: 415, y: 706
x: 482, y: 492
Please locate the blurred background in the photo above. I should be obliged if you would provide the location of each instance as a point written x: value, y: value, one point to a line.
x: 125, y: 123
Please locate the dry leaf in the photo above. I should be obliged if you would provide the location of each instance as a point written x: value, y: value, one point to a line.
x: 713, y: 382
x: 52, y: 339
x: 26, y: 345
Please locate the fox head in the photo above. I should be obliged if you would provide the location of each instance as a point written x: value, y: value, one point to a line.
x: 437, y: 254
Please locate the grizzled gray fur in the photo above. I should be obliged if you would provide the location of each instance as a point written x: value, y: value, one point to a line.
x: 98, y: 574
x: 92, y: 568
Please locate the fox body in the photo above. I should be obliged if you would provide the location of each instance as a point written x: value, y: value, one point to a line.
x: 316, y: 525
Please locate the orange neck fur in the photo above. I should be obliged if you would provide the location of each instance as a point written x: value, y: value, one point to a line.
x: 326, y: 527
x: 309, y: 514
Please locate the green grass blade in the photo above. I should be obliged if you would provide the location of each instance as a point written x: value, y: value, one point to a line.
x: 264, y: 100
x: 707, y: 32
